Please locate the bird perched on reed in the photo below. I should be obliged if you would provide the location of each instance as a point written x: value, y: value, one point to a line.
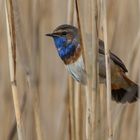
x: 67, y: 42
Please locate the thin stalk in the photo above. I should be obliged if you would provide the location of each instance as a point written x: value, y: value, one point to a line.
x: 11, y: 35
x: 94, y: 80
x: 108, y: 70
x: 87, y: 125
x: 120, y: 112
x: 13, y: 129
x: 72, y: 102
x: 82, y: 43
x: 33, y: 91
x: 77, y: 110
x: 138, y: 130
x: 91, y: 69
x: 71, y: 109
x: 103, y: 111
x: 64, y: 130
x: 35, y: 64
x: 37, y: 118
x: 70, y: 14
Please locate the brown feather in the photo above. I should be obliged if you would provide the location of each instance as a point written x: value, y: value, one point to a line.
x: 124, y: 90
x: 74, y: 57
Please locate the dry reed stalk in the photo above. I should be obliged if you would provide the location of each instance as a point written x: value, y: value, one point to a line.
x: 71, y: 109
x: 35, y: 61
x: 98, y: 118
x: 102, y: 112
x: 91, y: 69
x: 77, y: 110
x: 70, y: 14
x: 134, y: 55
x: 108, y: 70
x: 102, y: 95
x: 94, y: 81
x: 33, y: 91
x: 11, y: 35
x: 118, y: 120
x: 138, y: 130
x: 13, y: 129
x: 79, y: 104
x: 73, y: 88
x: 37, y: 118
x: 64, y: 130
x: 86, y: 88
x: 134, y: 50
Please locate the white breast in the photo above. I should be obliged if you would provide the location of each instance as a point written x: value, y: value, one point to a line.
x: 77, y: 70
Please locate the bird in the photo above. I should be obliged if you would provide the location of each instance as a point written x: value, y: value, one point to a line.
x: 67, y: 42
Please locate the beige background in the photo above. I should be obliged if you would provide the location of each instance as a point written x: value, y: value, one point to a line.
x: 37, y: 57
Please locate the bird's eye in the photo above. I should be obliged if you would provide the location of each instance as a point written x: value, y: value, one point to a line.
x: 64, y: 33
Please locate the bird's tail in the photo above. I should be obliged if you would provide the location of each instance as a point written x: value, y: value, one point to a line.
x: 126, y: 94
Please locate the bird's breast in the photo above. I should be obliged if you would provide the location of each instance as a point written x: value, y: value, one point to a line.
x: 77, y: 70
x: 73, y: 55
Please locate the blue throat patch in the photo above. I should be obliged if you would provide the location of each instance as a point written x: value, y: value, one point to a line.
x: 64, y: 49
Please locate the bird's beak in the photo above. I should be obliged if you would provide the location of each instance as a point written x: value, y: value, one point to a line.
x: 50, y: 34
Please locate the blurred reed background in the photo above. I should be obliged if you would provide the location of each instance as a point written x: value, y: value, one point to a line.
x: 53, y: 106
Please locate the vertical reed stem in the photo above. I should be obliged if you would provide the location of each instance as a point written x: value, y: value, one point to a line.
x: 108, y: 70
x: 35, y: 59
x: 70, y: 14
x: 71, y: 109
x: 87, y: 125
x: 90, y: 55
x: 11, y: 35
x: 138, y: 130
x: 94, y: 72
x: 72, y: 97
x: 77, y: 110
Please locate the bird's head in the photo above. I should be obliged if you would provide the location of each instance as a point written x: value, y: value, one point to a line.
x: 64, y: 31
x: 64, y: 35
x: 66, y: 38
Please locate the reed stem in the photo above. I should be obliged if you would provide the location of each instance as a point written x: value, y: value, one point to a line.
x: 11, y: 35
x: 108, y: 70
x: 90, y: 58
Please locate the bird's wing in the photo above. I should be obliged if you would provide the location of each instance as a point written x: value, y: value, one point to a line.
x: 113, y: 57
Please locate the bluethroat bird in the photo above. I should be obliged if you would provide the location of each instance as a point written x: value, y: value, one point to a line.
x: 67, y: 42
